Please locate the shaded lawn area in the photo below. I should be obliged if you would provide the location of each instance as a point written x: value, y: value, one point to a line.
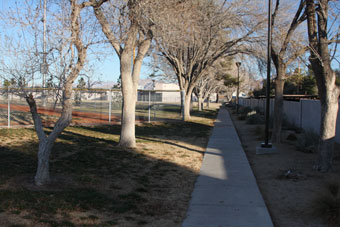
x: 96, y: 183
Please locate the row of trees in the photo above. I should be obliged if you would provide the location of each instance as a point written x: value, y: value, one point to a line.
x: 189, y: 35
x: 318, y: 38
x: 194, y: 39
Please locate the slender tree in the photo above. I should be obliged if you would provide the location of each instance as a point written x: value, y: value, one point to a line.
x: 68, y: 33
x: 204, y: 32
x: 287, y: 46
x: 126, y: 26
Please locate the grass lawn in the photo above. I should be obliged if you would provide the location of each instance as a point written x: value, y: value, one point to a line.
x: 96, y: 183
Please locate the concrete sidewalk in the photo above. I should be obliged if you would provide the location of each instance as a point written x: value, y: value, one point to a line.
x: 226, y: 193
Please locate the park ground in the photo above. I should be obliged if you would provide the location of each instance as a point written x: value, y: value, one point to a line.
x: 96, y: 183
x: 287, y: 181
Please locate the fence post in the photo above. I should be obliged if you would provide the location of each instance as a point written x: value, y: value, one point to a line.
x: 110, y: 100
x: 149, y: 116
x: 9, y: 109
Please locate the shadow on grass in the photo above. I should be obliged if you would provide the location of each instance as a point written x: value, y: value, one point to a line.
x: 93, y: 177
x: 179, y: 129
x: 170, y: 143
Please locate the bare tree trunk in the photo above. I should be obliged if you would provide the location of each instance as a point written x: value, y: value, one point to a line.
x: 329, y: 112
x: 200, y: 102
x: 182, y: 103
x: 187, y: 102
x: 127, y: 134
x: 325, y: 77
x: 278, y: 110
x: 129, y: 90
x: 208, y: 101
x: 42, y: 175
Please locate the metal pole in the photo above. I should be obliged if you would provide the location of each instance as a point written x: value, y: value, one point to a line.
x: 238, y: 64
x: 44, y: 45
x: 110, y: 100
x: 149, y: 116
x: 9, y: 109
x: 266, y: 142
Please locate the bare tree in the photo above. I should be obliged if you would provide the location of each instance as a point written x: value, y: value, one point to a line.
x: 128, y: 30
x: 213, y: 81
x: 203, y: 32
x: 67, y: 32
x: 318, y: 16
x: 288, y: 45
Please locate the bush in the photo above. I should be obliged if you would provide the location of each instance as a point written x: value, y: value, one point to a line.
x: 258, y: 110
x: 308, y: 142
x: 287, y: 125
x: 244, y: 110
x: 241, y: 117
x: 326, y: 204
x: 255, y: 119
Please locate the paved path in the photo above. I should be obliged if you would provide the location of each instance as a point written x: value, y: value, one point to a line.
x: 226, y: 193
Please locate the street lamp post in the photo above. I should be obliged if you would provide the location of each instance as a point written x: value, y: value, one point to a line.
x: 266, y: 143
x: 266, y: 147
x: 238, y: 64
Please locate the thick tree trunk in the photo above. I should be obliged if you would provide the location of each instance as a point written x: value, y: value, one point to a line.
x: 208, y: 102
x: 329, y: 112
x: 325, y: 77
x: 129, y: 90
x: 278, y: 110
x: 182, y: 103
x: 42, y: 175
x: 127, y: 134
x: 200, y: 103
x: 187, y: 102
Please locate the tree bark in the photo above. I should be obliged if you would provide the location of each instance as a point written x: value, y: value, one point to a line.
x: 200, y: 102
x: 329, y: 110
x: 42, y: 175
x: 325, y: 77
x: 187, y: 102
x: 208, y: 101
x: 127, y: 134
x: 278, y: 108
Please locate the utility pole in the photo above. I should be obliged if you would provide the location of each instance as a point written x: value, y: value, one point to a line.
x: 44, y: 67
x: 238, y: 64
x: 269, y: 57
x: 266, y: 147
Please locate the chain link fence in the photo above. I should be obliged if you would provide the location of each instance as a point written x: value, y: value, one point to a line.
x: 90, y: 106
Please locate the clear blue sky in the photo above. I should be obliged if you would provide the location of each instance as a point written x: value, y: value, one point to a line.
x: 107, y: 69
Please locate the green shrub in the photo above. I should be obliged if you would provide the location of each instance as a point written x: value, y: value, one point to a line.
x: 326, y: 204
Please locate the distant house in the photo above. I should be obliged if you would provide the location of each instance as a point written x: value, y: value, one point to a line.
x: 158, y: 91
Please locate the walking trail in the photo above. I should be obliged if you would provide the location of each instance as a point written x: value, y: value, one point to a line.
x: 226, y: 193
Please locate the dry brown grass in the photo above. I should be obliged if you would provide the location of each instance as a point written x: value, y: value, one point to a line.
x: 96, y: 183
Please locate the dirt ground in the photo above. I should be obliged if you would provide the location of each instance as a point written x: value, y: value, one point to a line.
x: 286, y: 179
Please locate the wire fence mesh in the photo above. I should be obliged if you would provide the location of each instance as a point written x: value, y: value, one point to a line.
x: 90, y: 106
